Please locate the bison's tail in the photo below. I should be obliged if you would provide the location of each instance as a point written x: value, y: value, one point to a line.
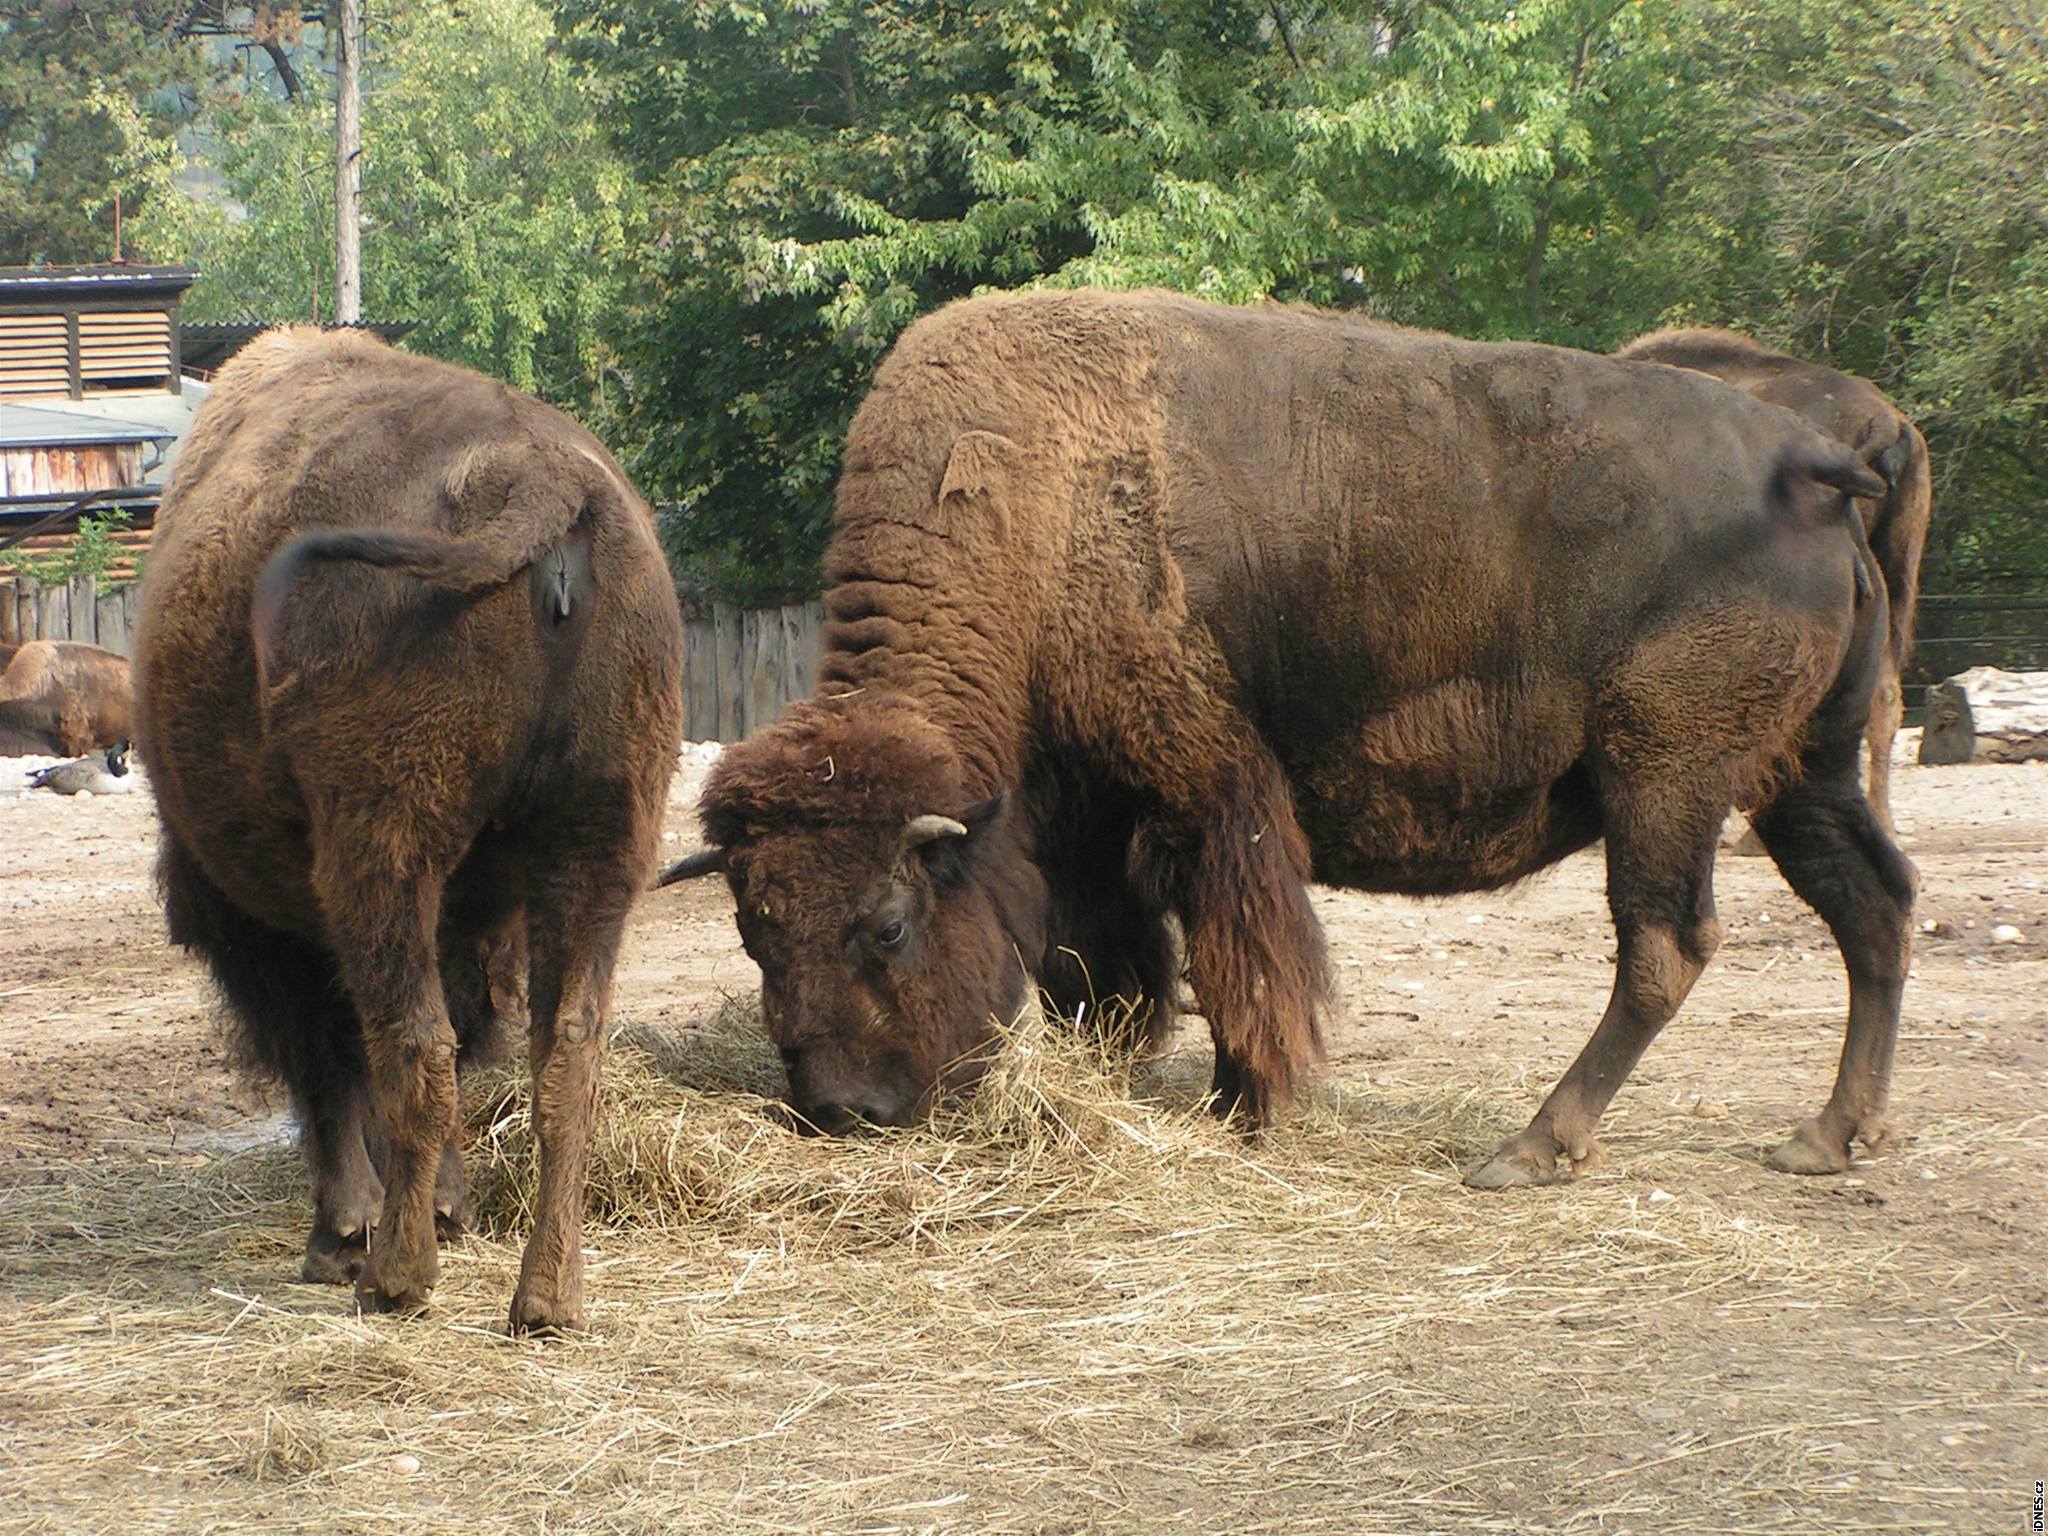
x: 1827, y: 461
x: 538, y: 515
x: 1899, y: 534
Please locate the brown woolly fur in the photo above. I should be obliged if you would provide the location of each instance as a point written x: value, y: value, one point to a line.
x: 1143, y: 611
x: 408, y: 686
x: 827, y: 764
x: 59, y: 698
x: 1853, y: 411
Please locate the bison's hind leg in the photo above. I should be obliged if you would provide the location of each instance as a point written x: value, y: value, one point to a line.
x: 382, y: 906
x: 1887, y: 713
x: 292, y: 1023
x: 582, y: 885
x: 1660, y: 889
x: 1829, y: 845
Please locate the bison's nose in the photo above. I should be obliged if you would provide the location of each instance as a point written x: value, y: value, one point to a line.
x: 833, y: 1120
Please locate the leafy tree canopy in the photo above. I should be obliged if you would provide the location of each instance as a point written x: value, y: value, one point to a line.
x: 92, y: 96
x: 495, y: 216
x: 703, y: 221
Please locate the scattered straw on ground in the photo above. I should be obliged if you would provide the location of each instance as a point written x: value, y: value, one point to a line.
x: 1077, y: 1303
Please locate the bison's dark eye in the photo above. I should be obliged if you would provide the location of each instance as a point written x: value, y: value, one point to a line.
x: 891, y: 934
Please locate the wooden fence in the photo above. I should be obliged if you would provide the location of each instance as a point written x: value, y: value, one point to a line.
x: 741, y: 665
x: 78, y: 610
x: 1994, y: 629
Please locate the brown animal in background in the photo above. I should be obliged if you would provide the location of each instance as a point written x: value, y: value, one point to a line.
x: 409, y: 691
x: 1854, y: 411
x: 1143, y: 609
x: 59, y: 698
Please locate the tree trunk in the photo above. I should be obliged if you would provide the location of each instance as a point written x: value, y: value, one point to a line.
x: 348, y: 171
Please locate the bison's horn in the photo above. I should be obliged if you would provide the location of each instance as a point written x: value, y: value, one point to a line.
x: 706, y: 861
x: 920, y: 830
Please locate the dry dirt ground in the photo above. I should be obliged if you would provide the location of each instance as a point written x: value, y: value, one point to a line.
x: 1320, y: 1332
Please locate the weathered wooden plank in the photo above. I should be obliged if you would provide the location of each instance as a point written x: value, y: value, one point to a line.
x: 53, y: 616
x: 814, y: 642
x: 726, y: 621
x: 112, y: 618
x: 700, y: 680
x: 750, y: 658
x: 85, y: 617
x: 768, y: 683
x: 25, y: 610
x: 796, y: 683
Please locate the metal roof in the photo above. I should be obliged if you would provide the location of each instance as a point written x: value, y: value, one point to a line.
x: 22, y: 284
x: 161, y: 419
x: 35, y: 426
x: 206, y: 347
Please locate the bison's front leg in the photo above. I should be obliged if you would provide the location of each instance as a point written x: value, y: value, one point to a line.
x: 1220, y: 845
x: 348, y: 1195
x: 1660, y: 887
x: 1255, y: 949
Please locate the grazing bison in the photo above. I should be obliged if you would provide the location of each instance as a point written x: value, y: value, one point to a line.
x: 62, y: 699
x: 1142, y: 609
x: 1853, y: 411
x: 408, y: 688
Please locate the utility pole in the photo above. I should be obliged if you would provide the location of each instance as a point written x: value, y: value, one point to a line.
x: 348, y: 169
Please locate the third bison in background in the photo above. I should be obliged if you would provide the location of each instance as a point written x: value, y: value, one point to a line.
x: 1853, y: 411
x: 1143, y: 610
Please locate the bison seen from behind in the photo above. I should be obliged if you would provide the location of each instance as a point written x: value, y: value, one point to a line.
x: 1145, y: 610
x: 1856, y: 412
x: 408, y: 688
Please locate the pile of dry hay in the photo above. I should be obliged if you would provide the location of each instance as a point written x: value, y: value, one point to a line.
x: 1061, y: 1129
x: 1076, y: 1302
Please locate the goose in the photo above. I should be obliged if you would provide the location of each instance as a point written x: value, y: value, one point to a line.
x: 100, y: 773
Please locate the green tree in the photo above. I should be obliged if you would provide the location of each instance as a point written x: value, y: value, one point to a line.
x: 825, y: 171
x: 92, y: 96
x: 495, y: 215
x: 751, y: 125
x: 1892, y: 213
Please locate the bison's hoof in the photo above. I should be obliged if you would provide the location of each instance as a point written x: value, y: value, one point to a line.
x: 1812, y: 1149
x: 332, y: 1259
x: 453, y: 1226
x: 545, y: 1316
x: 1522, y: 1163
x: 390, y: 1286
x: 374, y: 1298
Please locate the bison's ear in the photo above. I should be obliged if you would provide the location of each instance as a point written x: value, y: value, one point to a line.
x: 950, y: 859
x: 706, y: 861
